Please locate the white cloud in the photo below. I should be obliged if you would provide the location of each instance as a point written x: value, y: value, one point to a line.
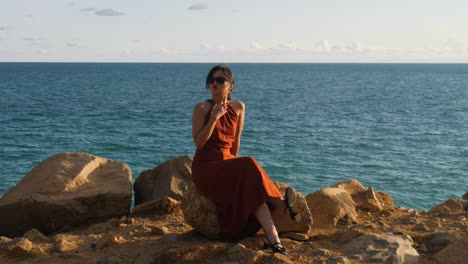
x: 291, y: 46
x: 198, y: 7
x: 323, y: 45
x: 102, y: 12
x: 257, y: 46
x: 73, y: 44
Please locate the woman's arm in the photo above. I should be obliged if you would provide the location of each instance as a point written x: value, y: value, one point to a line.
x: 240, y: 110
x: 201, y: 132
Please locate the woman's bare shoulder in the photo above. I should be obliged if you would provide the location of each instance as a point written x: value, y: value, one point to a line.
x: 203, y: 106
x: 238, y: 106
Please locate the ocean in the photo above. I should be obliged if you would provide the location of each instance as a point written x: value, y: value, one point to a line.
x: 400, y: 128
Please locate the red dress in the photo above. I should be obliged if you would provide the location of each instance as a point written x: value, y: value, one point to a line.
x: 237, y: 185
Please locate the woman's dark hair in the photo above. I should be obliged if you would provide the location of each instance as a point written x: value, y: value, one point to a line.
x: 227, y: 73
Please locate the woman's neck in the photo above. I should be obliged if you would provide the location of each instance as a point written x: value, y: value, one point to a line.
x: 218, y: 100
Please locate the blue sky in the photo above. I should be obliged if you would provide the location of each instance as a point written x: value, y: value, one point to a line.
x: 234, y: 31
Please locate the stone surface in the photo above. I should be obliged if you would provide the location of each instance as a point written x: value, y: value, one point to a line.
x: 35, y: 236
x: 171, y: 179
x: 109, y: 240
x: 383, y: 248
x: 449, y: 207
x: 152, y: 239
x: 64, y: 190
x: 200, y: 213
x: 63, y: 245
x: 352, y: 186
x: 281, y: 216
x: 21, y: 247
x: 455, y: 253
x: 296, y: 236
x: 330, y: 205
x: 163, y: 206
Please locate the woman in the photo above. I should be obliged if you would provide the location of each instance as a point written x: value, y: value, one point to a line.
x: 241, y: 190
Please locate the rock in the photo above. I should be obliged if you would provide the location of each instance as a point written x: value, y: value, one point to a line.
x: 455, y: 253
x: 465, y: 196
x: 163, y: 206
x: 200, y: 213
x: 191, y: 254
x: 440, y: 240
x: 239, y: 251
x: 172, y: 179
x: 5, y: 241
x: 100, y: 228
x: 296, y: 236
x: 449, y: 207
x: 331, y: 204
x: 63, y: 245
x: 64, y: 190
x: 367, y: 201
x: 159, y: 231
x: 352, y: 186
x: 35, y: 236
x: 171, y: 237
x: 338, y: 260
x: 283, y: 221
x: 22, y: 247
x: 384, y: 248
x: 266, y: 258
x: 321, y: 252
x: 421, y: 227
x: 109, y: 240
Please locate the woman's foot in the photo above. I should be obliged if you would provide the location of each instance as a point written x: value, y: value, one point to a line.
x: 290, y: 201
x: 277, y: 247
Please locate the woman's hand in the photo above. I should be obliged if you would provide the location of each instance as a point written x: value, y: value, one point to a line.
x: 218, y: 110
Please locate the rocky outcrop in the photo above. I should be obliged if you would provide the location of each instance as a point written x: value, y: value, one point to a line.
x: 340, y: 203
x: 200, y: 213
x: 352, y: 186
x: 450, y: 207
x: 64, y: 190
x: 160, y: 207
x: 384, y: 248
x: 156, y: 231
x: 455, y: 253
x: 330, y: 206
x: 282, y: 219
x: 170, y: 179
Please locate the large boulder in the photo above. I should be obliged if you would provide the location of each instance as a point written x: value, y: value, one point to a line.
x: 352, y: 186
x: 170, y: 179
x: 330, y: 206
x: 385, y: 248
x: 64, y: 190
x: 282, y: 219
x: 366, y: 200
x: 454, y: 253
x: 200, y: 213
x: 449, y: 207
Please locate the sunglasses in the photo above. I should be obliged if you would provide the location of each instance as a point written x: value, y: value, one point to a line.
x: 218, y: 80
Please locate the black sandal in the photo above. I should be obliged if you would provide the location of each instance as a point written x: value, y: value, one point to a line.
x: 277, y: 247
x: 290, y: 201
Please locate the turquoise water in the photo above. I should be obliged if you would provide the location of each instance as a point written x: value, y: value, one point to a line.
x: 401, y: 128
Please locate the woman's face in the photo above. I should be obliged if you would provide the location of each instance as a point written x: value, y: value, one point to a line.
x: 219, y: 85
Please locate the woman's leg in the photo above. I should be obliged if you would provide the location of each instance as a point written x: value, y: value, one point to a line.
x: 264, y: 217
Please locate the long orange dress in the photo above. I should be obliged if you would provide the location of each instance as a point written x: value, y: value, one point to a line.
x: 236, y: 185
